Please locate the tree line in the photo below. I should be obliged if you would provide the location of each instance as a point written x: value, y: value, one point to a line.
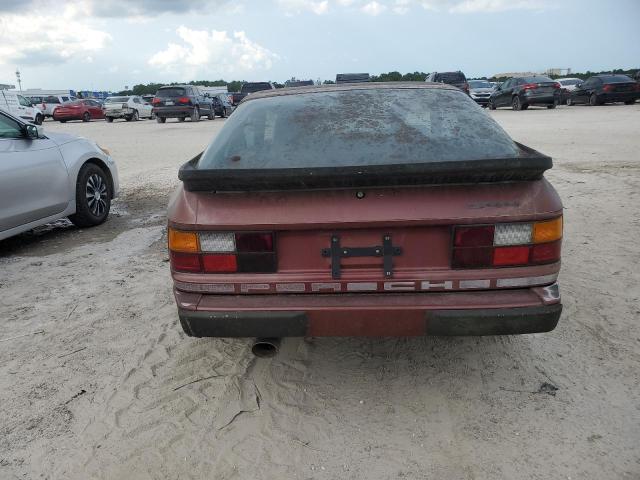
x: 235, y: 85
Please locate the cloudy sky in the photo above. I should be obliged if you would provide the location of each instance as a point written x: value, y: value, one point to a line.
x: 107, y: 44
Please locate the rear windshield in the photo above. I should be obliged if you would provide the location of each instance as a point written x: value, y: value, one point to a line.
x: 117, y: 100
x: 480, y: 84
x: 353, y: 128
x: 451, y: 77
x: 615, y: 79
x: 537, y: 79
x: 171, y: 92
x: 51, y: 99
x: 255, y: 87
x: 570, y: 82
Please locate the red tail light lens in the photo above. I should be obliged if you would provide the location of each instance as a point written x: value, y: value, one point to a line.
x: 254, y: 242
x: 545, y: 252
x: 607, y: 88
x: 474, y: 236
x: 557, y: 85
x: 474, y: 257
x: 184, y: 100
x: 504, y: 256
x: 155, y: 101
x: 220, y: 263
x: 530, y: 86
x: 185, y: 262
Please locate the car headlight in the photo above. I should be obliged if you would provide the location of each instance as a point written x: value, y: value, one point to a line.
x: 104, y: 150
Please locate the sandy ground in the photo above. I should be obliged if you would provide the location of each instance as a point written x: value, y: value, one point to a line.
x: 101, y: 383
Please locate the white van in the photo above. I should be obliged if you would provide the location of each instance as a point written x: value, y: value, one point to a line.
x: 17, y: 105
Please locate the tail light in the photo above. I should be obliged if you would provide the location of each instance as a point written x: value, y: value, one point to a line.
x: 530, y: 86
x: 557, y: 85
x: 636, y: 87
x: 507, y: 244
x: 184, y: 100
x: 155, y: 101
x: 607, y: 88
x: 466, y: 87
x: 222, y: 252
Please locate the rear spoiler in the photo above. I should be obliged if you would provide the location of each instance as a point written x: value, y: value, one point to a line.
x: 529, y: 165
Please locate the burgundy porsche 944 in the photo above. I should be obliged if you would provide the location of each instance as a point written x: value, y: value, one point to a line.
x: 379, y: 209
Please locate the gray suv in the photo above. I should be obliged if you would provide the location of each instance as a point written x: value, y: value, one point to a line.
x: 182, y: 101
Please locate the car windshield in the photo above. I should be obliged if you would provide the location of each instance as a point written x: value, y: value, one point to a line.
x: 479, y: 84
x: 117, y: 100
x: 615, y: 79
x: 570, y: 82
x: 171, y: 92
x: 450, y: 77
x: 357, y: 127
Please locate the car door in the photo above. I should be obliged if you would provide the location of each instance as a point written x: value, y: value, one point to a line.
x: 34, y: 182
x: 503, y: 93
x: 95, y: 109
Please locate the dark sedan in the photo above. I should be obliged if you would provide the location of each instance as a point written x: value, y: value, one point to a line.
x: 520, y: 93
x: 601, y: 89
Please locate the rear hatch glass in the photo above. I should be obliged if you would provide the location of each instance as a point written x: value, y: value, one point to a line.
x: 255, y: 87
x: 171, y: 92
x: 359, y: 137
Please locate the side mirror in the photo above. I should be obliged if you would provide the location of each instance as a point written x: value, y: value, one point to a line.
x: 33, y: 131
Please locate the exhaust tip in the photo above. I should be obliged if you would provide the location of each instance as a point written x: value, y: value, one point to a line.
x: 265, y: 347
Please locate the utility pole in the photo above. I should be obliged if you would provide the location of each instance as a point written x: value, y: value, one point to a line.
x: 18, y: 78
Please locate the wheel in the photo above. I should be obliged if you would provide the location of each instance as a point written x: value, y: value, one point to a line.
x: 93, y: 196
x: 38, y: 120
x: 515, y: 103
x: 569, y: 102
x: 629, y: 102
x: 195, y: 115
x: 109, y: 119
x: 181, y: 119
x: 492, y: 106
x: 136, y: 116
x: 128, y: 118
x: 86, y: 117
x: 161, y: 119
x: 553, y: 105
x: 525, y: 106
x: 63, y: 121
x: 593, y: 100
x: 224, y: 112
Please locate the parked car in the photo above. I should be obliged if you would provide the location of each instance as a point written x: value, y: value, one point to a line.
x: 480, y: 91
x: 567, y: 85
x: 520, y: 93
x: 47, y: 176
x: 148, y: 98
x: 221, y: 105
x: 84, y: 110
x: 607, y: 88
x: 182, y: 101
x: 19, y: 106
x: 130, y: 107
x: 299, y: 83
x: 406, y: 211
x: 252, y: 87
x: 49, y: 103
x: 457, y: 79
x: 352, y: 78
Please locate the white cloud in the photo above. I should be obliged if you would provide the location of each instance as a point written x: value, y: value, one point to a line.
x: 294, y: 7
x: 33, y: 38
x: 473, y: 6
x: 213, y: 52
x: 373, y: 8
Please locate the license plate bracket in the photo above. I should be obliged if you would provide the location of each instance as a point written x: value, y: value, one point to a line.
x: 336, y: 252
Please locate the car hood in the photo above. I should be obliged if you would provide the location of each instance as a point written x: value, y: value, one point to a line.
x: 61, y: 138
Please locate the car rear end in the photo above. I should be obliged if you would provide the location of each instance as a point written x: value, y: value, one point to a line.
x: 457, y: 79
x: 361, y: 249
x: 69, y: 111
x: 172, y: 102
x: 619, y: 88
x: 117, y: 107
x: 540, y: 91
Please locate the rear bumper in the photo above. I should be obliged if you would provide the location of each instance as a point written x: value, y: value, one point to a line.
x: 618, y: 96
x: 547, y: 99
x: 517, y: 311
x: 173, y: 112
x: 118, y: 113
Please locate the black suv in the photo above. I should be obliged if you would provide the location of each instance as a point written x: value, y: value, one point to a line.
x: 182, y: 101
x: 457, y: 79
x: 252, y: 87
x: 519, y: 93
x: 606, y: 88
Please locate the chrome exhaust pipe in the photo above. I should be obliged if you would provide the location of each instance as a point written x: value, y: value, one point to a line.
x: 265, y: 347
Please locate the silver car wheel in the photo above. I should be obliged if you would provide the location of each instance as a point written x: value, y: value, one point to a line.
x: 96, y: 191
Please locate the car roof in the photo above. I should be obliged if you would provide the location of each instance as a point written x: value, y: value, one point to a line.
x: 349, y: 86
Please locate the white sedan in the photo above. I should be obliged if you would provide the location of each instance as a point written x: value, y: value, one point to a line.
x: 132, y: 107
x: 44, y: 177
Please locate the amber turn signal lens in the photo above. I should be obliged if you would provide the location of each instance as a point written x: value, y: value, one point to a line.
x: 182, y: 241
x: 548, y: 231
